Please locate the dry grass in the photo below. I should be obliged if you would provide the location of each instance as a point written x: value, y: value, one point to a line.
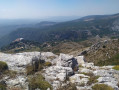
x: 116, y: 67
x: 101, y: 87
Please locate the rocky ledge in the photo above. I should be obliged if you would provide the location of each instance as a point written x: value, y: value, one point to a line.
x: 65, y: 69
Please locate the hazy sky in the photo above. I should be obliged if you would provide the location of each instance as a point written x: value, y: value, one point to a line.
x: 15, y: 9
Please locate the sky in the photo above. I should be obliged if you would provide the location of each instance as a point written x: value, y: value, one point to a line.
x: 37, y: 9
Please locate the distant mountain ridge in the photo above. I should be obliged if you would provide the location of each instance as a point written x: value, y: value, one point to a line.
x: 75, y: 30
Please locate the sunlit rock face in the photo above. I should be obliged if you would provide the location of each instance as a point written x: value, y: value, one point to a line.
x: 63, y: 67
x: 66, y: 60
x: 58, y: 73
x: 18, y: 61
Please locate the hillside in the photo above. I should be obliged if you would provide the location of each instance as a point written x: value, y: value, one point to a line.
x: 76, y: 30
x: 21, y: 46
x: 103, y: 53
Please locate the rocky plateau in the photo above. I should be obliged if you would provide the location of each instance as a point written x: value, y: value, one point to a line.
x: 65, y: 69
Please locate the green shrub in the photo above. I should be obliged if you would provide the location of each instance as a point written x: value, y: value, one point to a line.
x: 116, y: 67
x: 47, y: 64
x: 101, y: 87
x: 69, y: 86
x: 29, y: 70
x: 92, y: 79
x: 3, y: 85
x: 38, y: 82
x: 3, y: 66
x: 88, y: 74
x: 10, y: 73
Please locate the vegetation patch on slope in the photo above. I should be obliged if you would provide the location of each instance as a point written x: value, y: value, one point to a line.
x: 39, y: 82
x: 104, y: 53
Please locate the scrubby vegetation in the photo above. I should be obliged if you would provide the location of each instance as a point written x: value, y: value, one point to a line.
x: 47, y: 64
x: 107, y: 51
x: 24, y: 45
x: 92, y: 79
x: 2, y: 86
x: 39, y: 82
x: 31, y: 69
x: 116, y: 67
x: 112, y: 61
x: 3, y: 66
x: 101, y: 87
x: 10, y: 73
x: 68, y: 87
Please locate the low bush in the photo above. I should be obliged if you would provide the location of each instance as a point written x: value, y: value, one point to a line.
x: 92, y: 79
x: 29, y: 70
x: 10, y: 73
x: 47, y: 64
x: 39, y: 82
x: 116, y: 67
x: 101, y: 87
x: 88, y: 74
x: 3, y: 66
x: 3, y: 85
x: 68, y: 87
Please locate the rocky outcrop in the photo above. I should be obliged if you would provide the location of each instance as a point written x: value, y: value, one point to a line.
x: 61, y: 73
x: 18, y: 61
x: 66, y: 60
x: 80, y: 60
x: 56, y: 75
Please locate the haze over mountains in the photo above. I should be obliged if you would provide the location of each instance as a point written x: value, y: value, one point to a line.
x: 74, y: 30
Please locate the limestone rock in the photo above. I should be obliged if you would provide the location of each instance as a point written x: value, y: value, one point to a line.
x: 79, y: 79
x: 80, y: 60
x: 88, y: 65
x: 19, y: 81
x: 85, y: 70
x: 18, y: 61
x: 66, y: 60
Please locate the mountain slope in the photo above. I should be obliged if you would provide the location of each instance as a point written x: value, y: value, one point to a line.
x: 103, y: 53
x: 21, y: 45
x: 75, y: 30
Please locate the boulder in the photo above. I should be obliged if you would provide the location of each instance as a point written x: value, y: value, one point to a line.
x: 66, y: 60
x: 80, y: 60
x: 109, y: 81
x: 57, y: 73
x: 79, y: 79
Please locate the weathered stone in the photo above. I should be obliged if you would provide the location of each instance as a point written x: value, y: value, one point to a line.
x: 80, y: 60
x: 103, y: 73
x: 85, y: 70
x: 66, y: 60
x: 18, y: 81
x: 79, y: 79
x: 18, y: 61
x: 88, y: 65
